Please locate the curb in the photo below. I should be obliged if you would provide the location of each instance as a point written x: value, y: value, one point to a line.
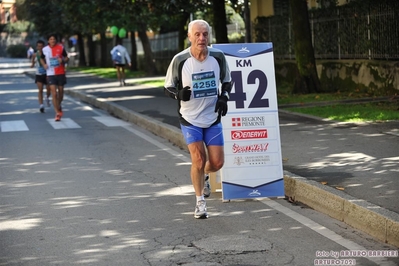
x: 360, y: 214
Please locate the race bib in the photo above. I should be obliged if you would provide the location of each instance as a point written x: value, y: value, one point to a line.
x: 54, y: 62
x: 41, y: 70
x: 204, y: 84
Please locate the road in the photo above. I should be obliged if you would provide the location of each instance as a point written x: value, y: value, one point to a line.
x: 96, y: 190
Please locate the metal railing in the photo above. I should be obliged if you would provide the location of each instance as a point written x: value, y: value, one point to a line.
x: 368, y: 31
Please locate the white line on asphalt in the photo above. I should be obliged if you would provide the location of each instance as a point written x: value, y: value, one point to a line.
x: 110, y: 121
x: 12, y: 126
x: 63, y: 124
x: 158, y: 144
x: 350, y: 245
x: 85, y: 105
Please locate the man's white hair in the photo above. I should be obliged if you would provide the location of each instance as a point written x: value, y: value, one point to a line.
x: 197, y: 21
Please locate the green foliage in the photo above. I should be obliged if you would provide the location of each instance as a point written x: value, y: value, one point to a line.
x: 16, y: 51
x: 19, y: 27
x: 234, y: 18
x: 236, y: 38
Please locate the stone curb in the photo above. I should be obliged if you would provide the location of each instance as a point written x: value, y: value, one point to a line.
x: 360, y: 214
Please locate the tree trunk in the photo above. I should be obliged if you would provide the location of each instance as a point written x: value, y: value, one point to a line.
x: 134, y: 51
x: 104, y: 50
x: 220, y: 22
x: 92, y: 50
x: 183, y: 18
x: 81, y: 50
x: 247, y: 19
x: 307, y: 80
x: 150, y: 66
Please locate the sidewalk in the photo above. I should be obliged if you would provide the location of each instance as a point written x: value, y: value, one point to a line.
x: 349, y: 171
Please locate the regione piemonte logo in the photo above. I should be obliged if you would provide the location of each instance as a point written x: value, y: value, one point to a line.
x: 249, y: 134
x: 248, y: 121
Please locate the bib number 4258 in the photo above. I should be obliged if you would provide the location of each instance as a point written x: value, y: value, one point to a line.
x: 239, y: 96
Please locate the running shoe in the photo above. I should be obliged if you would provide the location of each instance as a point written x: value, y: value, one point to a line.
x: 200, y: 210
x: 58, y: 117
x: 207, y: 187
x: 41, y: 108
x: 48, y: 101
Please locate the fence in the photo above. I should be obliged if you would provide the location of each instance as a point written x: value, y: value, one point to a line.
x: 366, y: 30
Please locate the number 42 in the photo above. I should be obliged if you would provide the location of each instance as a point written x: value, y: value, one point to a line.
x: 239, y: 96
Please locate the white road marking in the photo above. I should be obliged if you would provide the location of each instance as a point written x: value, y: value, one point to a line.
x: 348, y: 244
x: 88, y: 107
x: 110, y: 121
x: 65, y: 123
x: 12, y: 126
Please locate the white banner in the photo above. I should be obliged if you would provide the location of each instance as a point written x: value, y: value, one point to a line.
x: 253, y: 164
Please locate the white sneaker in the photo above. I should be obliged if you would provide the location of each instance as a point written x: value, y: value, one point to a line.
x: 207, y: 187
x: 48, y: 101
x: 200, y: 210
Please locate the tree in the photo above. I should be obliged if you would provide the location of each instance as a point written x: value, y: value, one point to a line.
x: 307, y: 80
x: 220, y: 21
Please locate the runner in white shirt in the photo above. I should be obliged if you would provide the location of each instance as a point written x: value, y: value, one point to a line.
x: 199, y: 78
x: 120, y: 57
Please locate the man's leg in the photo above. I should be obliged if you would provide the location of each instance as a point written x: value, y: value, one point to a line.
x: 48, y: 93
x: 123, y: 75
x: 118, y: 73
x: 53, y: 89
x: 198, y: 159
x: 215, y: 159
x: 40, y: 95
x: 60, y: 96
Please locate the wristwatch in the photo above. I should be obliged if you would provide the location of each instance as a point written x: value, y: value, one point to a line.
x: 225, y: 93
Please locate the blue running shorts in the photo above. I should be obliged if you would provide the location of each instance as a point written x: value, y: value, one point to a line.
x: 211, y: 136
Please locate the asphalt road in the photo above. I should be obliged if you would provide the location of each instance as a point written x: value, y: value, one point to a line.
x: 96, y: 190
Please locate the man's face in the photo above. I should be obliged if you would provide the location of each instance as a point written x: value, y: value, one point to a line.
x: 52, y: 41
x: 199, y: 36
x: 39, y: 46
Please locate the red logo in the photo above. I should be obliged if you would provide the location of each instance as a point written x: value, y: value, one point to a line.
x: 236, y: 121
x: 249, y: 134
x: 262, y: 147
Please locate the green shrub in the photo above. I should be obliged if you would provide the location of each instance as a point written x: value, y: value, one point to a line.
x: 236, y: 38
x: 17, y: 51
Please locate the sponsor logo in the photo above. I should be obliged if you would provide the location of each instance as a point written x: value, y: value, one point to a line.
x: 243, y: 50
x: 250, y: 121
x: 238, y: 161
x: 257, y: 160
x: 254, y: 193
x: 236, y: 122
x: 262, y: 147
x: 251, y: 160
x: 249, y: 134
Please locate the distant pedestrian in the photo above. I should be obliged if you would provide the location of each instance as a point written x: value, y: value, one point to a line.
x: 54, y: 58
x: 30, y: 52
x: 199, y: 79
x: 41, y: 77
x: 120, y: 57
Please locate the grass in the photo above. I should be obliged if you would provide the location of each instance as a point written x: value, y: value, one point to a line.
x: 375, y: 111
x: 108, y: 72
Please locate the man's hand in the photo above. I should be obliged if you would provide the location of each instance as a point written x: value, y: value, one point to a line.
x: 184, y: 94
x: 221, y: 105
